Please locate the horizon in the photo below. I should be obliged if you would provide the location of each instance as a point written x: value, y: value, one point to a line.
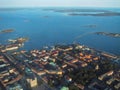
x: 61, y: 7
x: 57, y: 3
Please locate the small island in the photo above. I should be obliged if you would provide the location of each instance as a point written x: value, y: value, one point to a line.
x: 7, y: 31
x: 117, y: 35
x: 90, y: 25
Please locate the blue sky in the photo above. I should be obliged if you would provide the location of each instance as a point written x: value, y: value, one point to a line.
x: 78, y: 3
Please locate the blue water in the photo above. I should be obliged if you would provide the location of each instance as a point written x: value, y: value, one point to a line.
x: 59, y: 28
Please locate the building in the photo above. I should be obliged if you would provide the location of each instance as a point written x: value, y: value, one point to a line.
x: 31, y: 78
x: 32, y: 82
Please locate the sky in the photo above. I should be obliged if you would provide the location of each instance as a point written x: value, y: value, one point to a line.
x: 65, y: 3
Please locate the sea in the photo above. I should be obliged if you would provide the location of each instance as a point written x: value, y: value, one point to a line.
x: 47, y: 28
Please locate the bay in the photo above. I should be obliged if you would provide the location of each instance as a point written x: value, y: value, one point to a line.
x: 46, y: 28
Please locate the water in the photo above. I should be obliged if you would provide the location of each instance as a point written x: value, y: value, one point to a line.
x: 50, y: 28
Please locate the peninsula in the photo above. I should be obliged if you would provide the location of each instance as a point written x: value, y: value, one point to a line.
x: 19, y: 40
x: 73, y: 66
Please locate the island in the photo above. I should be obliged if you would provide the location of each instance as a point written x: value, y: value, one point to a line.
x: 7, y: 31
x: 97, y: 14
x: 86, y: 12
x: 75, y: 10
x: 90, y: 25
x: 116, y: 35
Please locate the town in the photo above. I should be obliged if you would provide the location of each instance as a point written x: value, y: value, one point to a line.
x: 60, y: 67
